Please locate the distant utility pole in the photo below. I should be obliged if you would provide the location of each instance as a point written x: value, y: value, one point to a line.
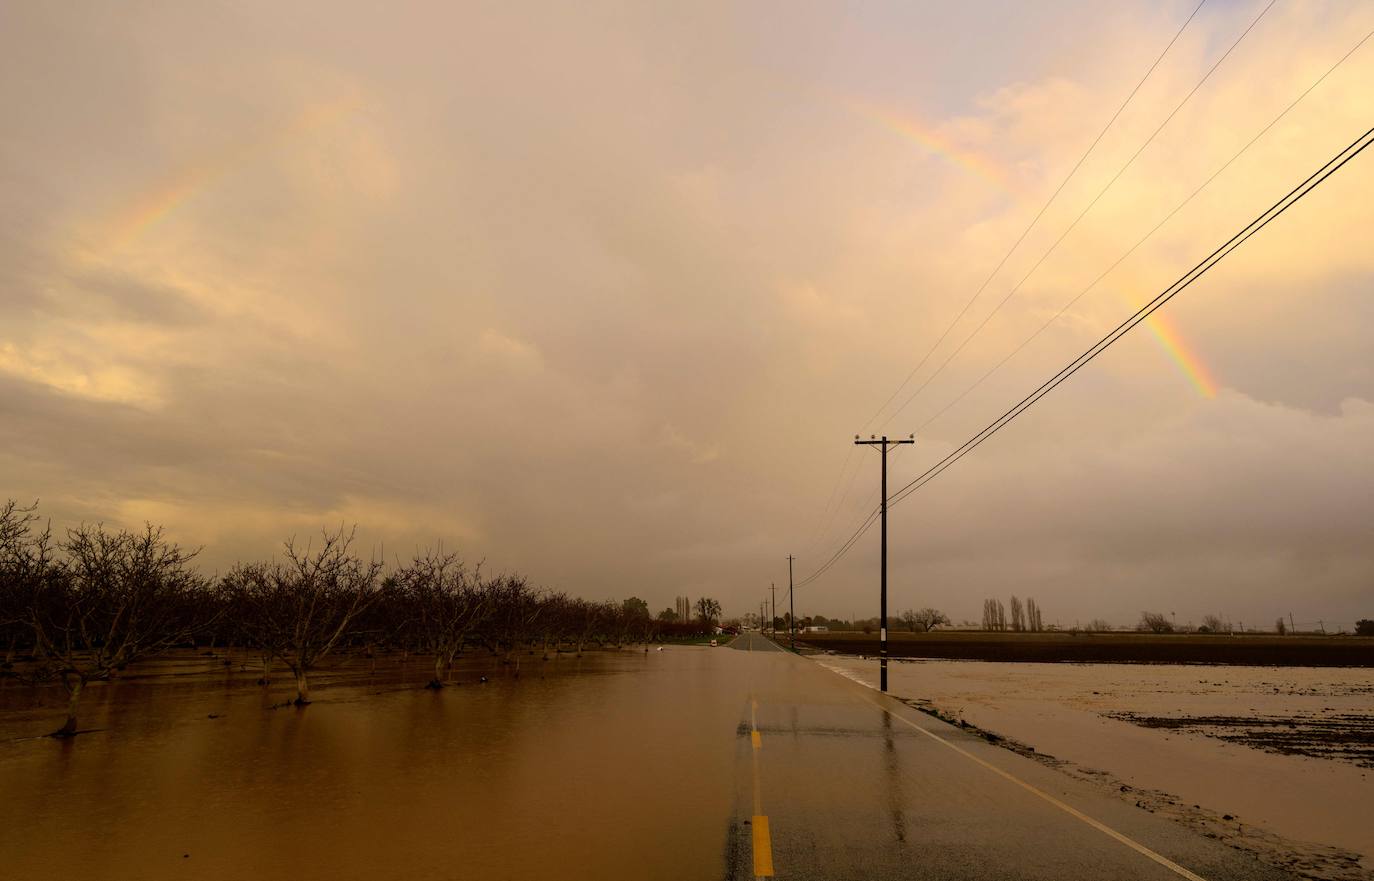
x: 773, y: 587
x: 883, y: 443
x: 792, y: 624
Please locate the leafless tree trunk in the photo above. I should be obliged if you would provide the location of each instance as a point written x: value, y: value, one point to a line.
x: 113, y: 598
x: 445, y: 605
x: 301, y: 609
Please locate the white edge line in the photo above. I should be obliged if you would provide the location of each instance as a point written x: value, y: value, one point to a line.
x: 1068, y: 809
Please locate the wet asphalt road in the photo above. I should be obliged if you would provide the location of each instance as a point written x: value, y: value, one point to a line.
x: 835, y: 781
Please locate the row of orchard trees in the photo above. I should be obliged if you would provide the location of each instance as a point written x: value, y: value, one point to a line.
x: 83, y: 607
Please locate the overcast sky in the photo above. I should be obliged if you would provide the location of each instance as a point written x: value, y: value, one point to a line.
x: 602, y: 293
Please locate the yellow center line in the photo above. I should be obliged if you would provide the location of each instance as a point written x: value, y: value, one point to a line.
x: 1068, y: 809
x: 763, y: 841
x: 763, y: 848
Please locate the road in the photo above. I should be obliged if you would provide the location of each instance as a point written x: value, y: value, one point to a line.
x: 685, y: 763
x: 836, y: 781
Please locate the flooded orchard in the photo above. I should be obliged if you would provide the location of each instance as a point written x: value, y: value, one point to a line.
x: 188, y: 771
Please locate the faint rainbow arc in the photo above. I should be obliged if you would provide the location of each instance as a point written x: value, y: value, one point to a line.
x: 153, y: 206
x: 1188, y: 360
x: 936, y: 144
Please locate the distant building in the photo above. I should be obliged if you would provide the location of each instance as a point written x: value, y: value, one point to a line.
x: 816, y: 628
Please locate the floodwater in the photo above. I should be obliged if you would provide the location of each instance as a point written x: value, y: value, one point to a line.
x: 584, y: 763
x: 1314, y: 786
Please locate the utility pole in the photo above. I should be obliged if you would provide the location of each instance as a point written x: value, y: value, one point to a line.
x: 792, y: 624
x: 774, y: 588
x: 883, y: 444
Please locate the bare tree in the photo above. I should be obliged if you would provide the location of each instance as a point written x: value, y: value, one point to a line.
x: 1213, y: 624
x: 928, y: 619
x: 1018, y: 615
x: 554, y: 622
x: 588, y: 619
x: 515, y: 608
x: 1155, y: 622
x: 994, y: 615
x: 116, y: 597
x: 708, y: 610
x: 1033, y: 622
x: 445, y: 607
x: 1100, y: 625
x: 26, y: 557
x: 909, y: 619
x: 300, y: 609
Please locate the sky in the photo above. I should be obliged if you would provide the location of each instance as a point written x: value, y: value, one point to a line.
x: 602, y: 293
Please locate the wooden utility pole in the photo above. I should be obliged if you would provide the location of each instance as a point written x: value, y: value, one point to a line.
x: 773, y: 587
x: 883, y: 443
x: 792, y: 605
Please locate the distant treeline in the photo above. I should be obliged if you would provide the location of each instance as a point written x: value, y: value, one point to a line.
x: 1116, y: 648
x: 82, y: 607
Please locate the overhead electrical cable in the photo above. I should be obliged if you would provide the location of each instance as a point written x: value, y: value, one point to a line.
x: 1264, y: 219
x: 828, y: 513
x: 1183, y: 282
x: 1156, y: 228
x: 1072, y: 226
x: 1036, y: 219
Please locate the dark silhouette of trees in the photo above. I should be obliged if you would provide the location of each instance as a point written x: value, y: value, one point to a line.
x: 108, y: 600
x: 445, y: 607
x: 1213, y: 624
x: 84, y: 608
x: 708, y: 610
x: 1155, y: 622
x: 515, y: 608
x: 994, y: 615
x: 300, y: 609
x: 924, y: 620
x: 1364, y: 627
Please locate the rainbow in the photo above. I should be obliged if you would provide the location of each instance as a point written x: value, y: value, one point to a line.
x: 1187, y: 360
x: 935, y: 144
x: 150, y: 208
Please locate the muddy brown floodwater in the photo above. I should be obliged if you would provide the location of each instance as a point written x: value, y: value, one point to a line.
x: 201, y: 775
x: 1270, y: 759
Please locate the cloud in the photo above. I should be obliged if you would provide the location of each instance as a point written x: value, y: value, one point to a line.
x: 628, y: 303
x: 511, y: 352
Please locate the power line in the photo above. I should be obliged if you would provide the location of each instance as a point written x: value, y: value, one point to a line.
x: 1025, y: 232
x: 1197, y: 271
x: 822, y: 529
x: 1227, y: 164
x: 1072, y: 226
x: 828, y: 513
x: 864, y: 525
x: 1264, y: 219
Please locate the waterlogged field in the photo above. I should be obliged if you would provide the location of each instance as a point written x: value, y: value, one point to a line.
x: 1278, y: 759
x: 189, y: 769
